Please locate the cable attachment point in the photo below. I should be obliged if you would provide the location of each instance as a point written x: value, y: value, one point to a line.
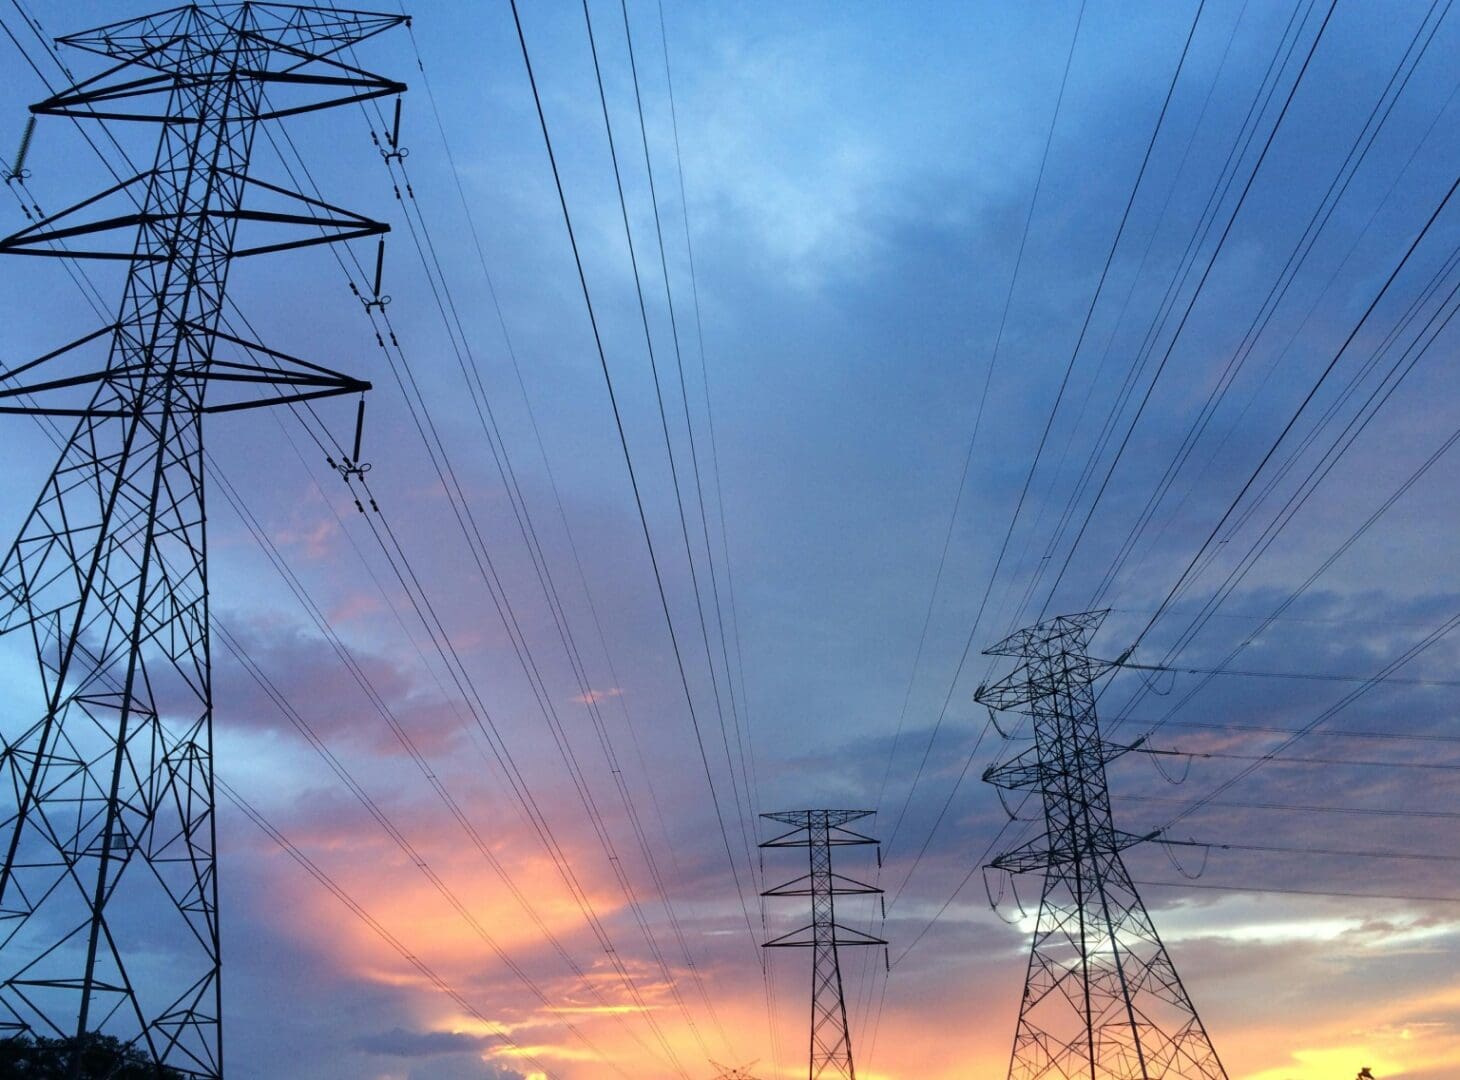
x: 352, y: 466
x: 1206, y: 854
x: 397, y: 152
x: 994, y: 720
x: 18, y: 173
x: 379, y: 300
x: 1014, y: 813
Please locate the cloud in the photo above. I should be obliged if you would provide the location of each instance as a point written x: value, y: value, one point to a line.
x: 398, y: 1042
x: 305, y: 670
x: 858, y: 184
x: 464, y: 1068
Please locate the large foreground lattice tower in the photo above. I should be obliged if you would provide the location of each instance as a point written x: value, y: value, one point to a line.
x: 819, y: 831
x: 108, y: 887
x: 1102, y: 1000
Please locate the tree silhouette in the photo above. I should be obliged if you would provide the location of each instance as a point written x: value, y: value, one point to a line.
x: 101, y: 1057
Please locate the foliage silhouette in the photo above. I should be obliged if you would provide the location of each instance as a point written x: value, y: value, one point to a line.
x: 102, y: 1057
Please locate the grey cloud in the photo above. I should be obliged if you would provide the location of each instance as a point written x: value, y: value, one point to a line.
x: 398, y: 1042
x: 463, y: 1068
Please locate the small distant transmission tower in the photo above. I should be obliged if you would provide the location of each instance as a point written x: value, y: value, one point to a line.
x: 728, y: 1073
x: 819, y: 831
x: 1102, y: 1000
x: 108, y: 887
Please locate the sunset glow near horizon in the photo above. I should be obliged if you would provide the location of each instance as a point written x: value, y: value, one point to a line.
x: 886, y: 253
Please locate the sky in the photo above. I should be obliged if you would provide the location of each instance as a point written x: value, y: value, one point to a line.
x: 901, y: 222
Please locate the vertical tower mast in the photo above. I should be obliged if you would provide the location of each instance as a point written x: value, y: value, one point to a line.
x: 1102, y: 999
x: 108, y: 888
x: 819, y: 831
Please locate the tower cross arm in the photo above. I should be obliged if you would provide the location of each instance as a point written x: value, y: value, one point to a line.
x: 807, y: 938
x: 1023, y: 771
x: 1012, y: 691
x: 166, y: 40
x: 837, y: 885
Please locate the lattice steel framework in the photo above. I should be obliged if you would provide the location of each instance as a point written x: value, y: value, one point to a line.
x: 819, y: 831
x: 108, y: 889
x: 728, y: 1073
x: 1102, y: 998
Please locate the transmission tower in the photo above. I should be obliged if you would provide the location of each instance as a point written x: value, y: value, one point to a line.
x: 819, y: 831
x: 1102, y: 999
x: 728, y: 1073
x: 108, y: 888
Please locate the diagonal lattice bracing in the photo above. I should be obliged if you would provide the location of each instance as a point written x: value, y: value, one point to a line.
x: 108, y: 885
x: 819, y: 831
x: 728, y: 1073
x: 1102, y: 999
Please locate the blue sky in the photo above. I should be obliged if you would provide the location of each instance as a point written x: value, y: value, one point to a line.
x: 858, y: 186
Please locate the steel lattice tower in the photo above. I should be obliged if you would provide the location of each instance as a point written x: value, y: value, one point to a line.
x: 108, y: 889
x: 1102, y: 998
x: 819, y: 831
x: 728, y: 1073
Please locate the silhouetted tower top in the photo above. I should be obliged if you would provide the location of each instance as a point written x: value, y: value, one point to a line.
x: 728, y: 1073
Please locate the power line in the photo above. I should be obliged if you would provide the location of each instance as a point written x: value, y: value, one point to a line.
x: 240, y: 652
x: 429, y: 772
x: 356, y: 909
x: 1307, y: 676
x: 1389, y: 502
x: 1348, y: 699
x: 530, y: 538
x: 1317, y: 222
x: 750, y: 778
x: 663, y: 415
x: 1267, y: 729
x: 1041, y: 563
x: 1319, y: 471
x: 446, y: 474
x: 1262, y: 97
x: 1191, y: 304
x: 1084, y: 328
x: 479, y: 390
x: 1008, y: 535
x: 1292, y: 598
x: 1327, y: 894
x: 1225, y: 755
x: 1376, y: 811
x: 689, y: 428
x: 1302, y: 406
x: 1280, y: 849
x: 1298, y: 331
x: 633, y: 478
